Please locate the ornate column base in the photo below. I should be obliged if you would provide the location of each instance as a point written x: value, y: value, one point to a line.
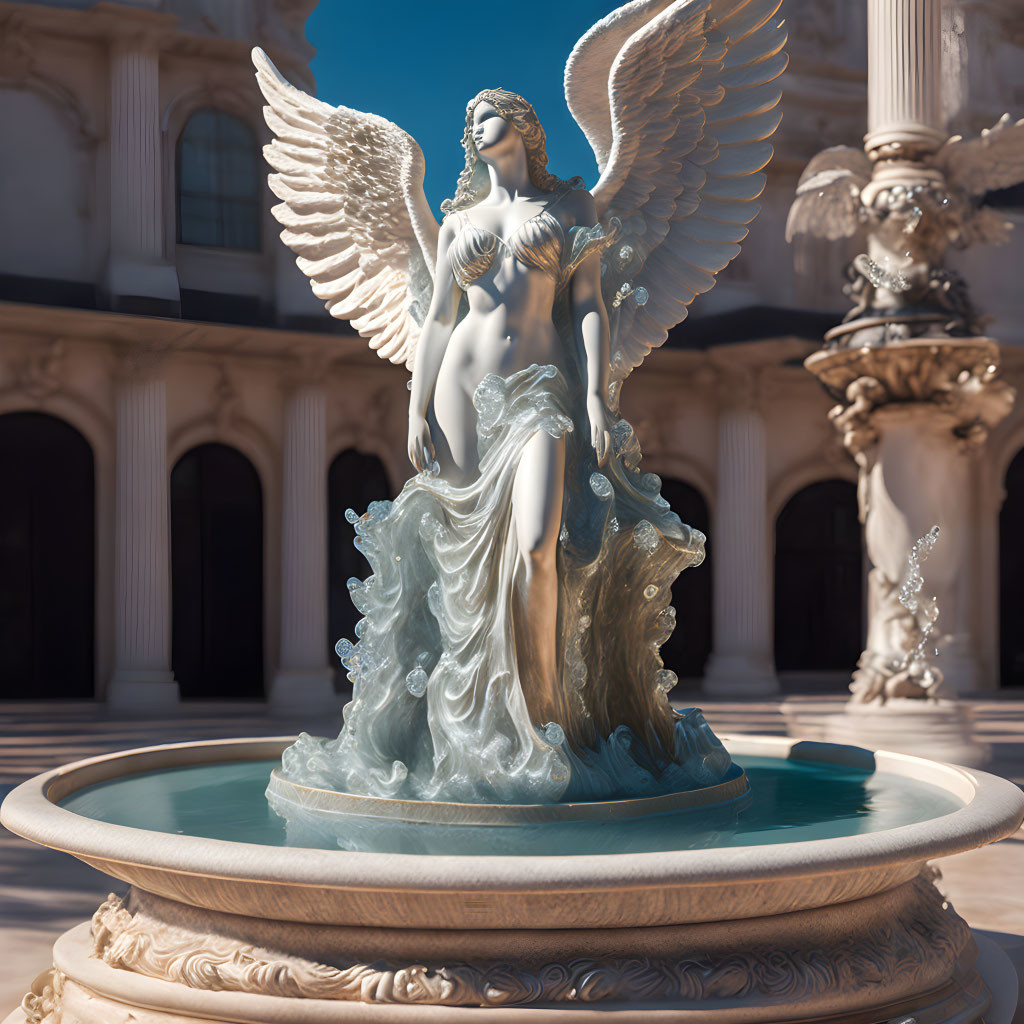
x: 142, y: 690
x: 302, y: 691
x: 738, y: 675
x: 939, y: 729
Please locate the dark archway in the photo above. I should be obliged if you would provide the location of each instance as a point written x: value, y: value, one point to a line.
x: 1011, y: 577
x: 688, y: 648
x: 819, y: 579
x: 217, y: 574
x: 353, y: 481
x: 47, y: 559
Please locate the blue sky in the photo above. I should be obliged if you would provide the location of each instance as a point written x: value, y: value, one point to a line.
x: 419, y: 63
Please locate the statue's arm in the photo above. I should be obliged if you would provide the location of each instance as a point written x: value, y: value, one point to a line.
x: 434, y: 335
x: 590, y: 326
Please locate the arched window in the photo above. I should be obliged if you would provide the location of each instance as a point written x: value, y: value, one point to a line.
x: 216, y: 574
x: 47, y: 559
x: 1011, y: 577
x: 818, y: 579
x: 218, y: 182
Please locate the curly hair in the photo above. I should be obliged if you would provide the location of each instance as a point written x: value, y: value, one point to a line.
x: 474, y: 182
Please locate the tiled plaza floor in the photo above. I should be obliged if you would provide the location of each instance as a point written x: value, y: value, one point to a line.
x: 43, y: 893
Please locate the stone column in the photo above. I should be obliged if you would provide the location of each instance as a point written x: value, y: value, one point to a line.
x: 741, y: 662
x: 304, y: 682
x: 139, y: 277
x: 905, y: 74
x: 142, y: 678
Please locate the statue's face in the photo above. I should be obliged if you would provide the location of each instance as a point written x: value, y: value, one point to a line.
x: 491, y: 132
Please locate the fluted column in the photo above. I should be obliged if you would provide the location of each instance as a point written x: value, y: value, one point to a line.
x: 905, y: 75
x: 142, y: 677
x: 139, y: 277
x: 741, y: 661
x: 304, y: 681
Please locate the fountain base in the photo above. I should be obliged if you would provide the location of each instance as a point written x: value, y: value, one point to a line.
x: 848, y: 929
x: 156, y: 961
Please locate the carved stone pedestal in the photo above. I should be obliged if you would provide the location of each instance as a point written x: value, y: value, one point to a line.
x: 154, y: 961
x: 848, y: 929
x: 940, y: 729
x: 911, y: 413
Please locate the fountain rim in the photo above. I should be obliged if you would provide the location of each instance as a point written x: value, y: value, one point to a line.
x: 993, y: 808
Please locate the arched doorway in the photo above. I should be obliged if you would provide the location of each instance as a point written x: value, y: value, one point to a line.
x: 217, y: 574
x: 353, y: 481
x: 1011, y: 577
x: 47, y: 559
x: 688, y: 648
x: 819, y: 580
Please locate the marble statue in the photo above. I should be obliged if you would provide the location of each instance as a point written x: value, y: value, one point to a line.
x: 521, y: 580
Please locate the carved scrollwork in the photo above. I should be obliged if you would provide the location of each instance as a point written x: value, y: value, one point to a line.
x: 958, y: 378
x: 41, y: 1004
x: 925, y: 932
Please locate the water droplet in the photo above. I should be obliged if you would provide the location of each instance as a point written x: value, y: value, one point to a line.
x: 416, y: 682
x: 650, y: 591
x: 665, y: 679
x: 422, y: 658
x: 563, y: 536
x: 613, y: 524
x: 645, y: 536
x: 553, y: 733
x: 343, y: 648
x: 584, y: 622
x: 351, y: 515
x: 641, y: 295
x: 601, y: 486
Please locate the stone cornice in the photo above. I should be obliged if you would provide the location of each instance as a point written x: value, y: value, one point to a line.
x: 166, y: 336
x: 106, y: 23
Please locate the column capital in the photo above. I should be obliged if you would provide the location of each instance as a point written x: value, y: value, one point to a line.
x: 737, y: 387
x: 307, y: 368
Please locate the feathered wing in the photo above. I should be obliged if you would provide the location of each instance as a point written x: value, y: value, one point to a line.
x: 992, y: 160
x: 827, y: 203
x: 677, y: 100
x: 353, y: 211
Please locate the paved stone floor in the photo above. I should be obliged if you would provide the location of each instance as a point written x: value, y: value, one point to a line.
x: 42, y: 893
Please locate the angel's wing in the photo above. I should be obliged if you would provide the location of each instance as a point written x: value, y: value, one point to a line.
x: 827, y: 202
x: 992, y: 160
x: 353, y: 211
x: 677, y: 98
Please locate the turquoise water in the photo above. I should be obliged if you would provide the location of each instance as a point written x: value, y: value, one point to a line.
x: 790, y: 801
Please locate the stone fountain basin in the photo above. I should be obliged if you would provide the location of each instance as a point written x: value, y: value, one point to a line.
x: 478, y: 894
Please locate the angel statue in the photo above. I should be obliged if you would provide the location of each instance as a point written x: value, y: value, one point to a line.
x: 521, y: 580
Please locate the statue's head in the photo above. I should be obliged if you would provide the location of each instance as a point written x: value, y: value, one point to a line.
x: 497, y: 119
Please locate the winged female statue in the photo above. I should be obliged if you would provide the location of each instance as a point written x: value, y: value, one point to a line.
x: 521, y: 580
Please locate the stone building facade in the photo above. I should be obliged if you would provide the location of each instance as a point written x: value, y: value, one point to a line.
x: 182, y: 426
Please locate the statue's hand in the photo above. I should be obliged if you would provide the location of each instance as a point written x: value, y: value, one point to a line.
x: 600, y: 427
x: 421, y: 447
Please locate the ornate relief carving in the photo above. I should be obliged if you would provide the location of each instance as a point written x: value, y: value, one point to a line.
x: 925, y: 933
x: 20, y: 70
x: 36, y: 371
x: 41, y: 1004
x: 960, y: 379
